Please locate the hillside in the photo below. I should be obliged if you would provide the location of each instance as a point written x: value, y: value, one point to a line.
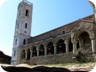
x: 4, y: 58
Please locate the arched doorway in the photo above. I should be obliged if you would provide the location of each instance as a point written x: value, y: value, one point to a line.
x: 41, y: 50
x: 23, y: 54
x: 50, y: 48
x: 84, y: 42
x: 70, y: 45
x: 61, y: 46
x: 34, y: 51
x: 28, y: 54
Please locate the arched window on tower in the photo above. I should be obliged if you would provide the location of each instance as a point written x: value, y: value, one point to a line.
x: 27, y: 12
x: 24, y: 42
x: 26, y: 25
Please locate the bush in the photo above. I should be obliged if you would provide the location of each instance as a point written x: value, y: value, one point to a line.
x: 83, y: 57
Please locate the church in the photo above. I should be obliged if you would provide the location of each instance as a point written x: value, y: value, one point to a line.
x: 60, y: 45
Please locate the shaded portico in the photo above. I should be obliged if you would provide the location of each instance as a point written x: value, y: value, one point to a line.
x: 83, y: 40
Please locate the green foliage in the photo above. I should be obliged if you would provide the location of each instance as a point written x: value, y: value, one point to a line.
x: 82, y: 58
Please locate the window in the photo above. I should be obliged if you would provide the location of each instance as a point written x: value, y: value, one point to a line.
x: 26, y: 25
x: 14, y: 54
x: 24, y: 42
x: 63, y: 32
x: 16, y: 42
x: 27, y: 12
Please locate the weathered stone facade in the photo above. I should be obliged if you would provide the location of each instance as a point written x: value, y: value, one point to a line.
x: 60, y: 45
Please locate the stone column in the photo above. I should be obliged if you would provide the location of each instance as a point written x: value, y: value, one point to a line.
x: 45, y: 50
x: 37, y: 51
x: 74, y: 47
x: 93, y: 45
x: 67, y: 46
x: 25, y: 53
x: 31, y: 52
x: 55, y: 50
x: 80, y: 44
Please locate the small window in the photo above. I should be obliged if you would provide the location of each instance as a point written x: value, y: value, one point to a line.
x: 16, y: 42
x: 26, y: 25
x: 63, y: 32
x: 24, y: 42
x: 14, y: 54
x: 27, y: 12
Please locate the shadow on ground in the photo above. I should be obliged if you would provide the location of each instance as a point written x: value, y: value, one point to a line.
x: 37, y: 69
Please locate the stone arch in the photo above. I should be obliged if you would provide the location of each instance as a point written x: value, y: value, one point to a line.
x: 75, y: 35
x: 70, y: 45
x: 23, y: 54
x: 60, y: 46
x: 83, y: 41
x: 57, y: 39
x: 41, y: 50
x: 34, y: 51
x: 50, y: 48
x: 28, y: 54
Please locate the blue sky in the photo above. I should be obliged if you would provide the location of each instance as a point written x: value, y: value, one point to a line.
x: 47, y: 15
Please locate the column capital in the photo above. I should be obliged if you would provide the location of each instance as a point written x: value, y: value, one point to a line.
x: 92, y: 38
x: 66, y: 41
x: 54, y: 45
x: 74, y: 42
x: 37, y: 48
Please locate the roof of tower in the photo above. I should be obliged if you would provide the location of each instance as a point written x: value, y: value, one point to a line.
x: 26, y: 1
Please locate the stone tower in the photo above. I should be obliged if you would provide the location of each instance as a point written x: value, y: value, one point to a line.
x: 22, y: 28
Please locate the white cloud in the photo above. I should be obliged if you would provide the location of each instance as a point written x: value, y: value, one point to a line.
x: 2, y: 2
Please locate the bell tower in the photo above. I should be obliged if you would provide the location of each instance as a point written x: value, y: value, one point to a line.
x: 22, y: 27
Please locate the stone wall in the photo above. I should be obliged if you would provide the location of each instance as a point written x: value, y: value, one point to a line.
x: 49, y: 59
x: 77, y: 36
x: 53, y: 33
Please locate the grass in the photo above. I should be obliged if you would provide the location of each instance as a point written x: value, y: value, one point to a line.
x: 71, y: 64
